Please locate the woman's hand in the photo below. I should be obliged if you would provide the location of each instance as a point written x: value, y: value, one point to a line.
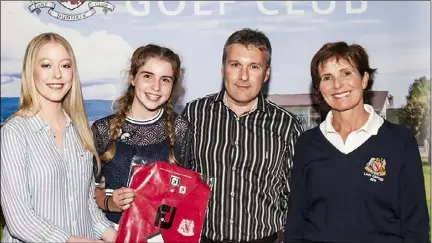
x: 102, y: 183
x: 109, y: 235
x: 100, y: 193
x: 121, y: 199
x: 77, y: 239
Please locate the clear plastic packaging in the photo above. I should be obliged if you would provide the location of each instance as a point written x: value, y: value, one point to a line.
x: 170, y: 204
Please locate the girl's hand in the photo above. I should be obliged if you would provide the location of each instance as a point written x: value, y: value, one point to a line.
x: 122, y: 198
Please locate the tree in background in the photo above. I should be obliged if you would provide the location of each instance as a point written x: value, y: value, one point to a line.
x: 416, y: 113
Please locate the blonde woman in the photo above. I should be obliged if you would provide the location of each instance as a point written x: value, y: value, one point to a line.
x: 47, y: 149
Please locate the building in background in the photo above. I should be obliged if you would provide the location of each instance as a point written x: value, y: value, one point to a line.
x: 311, y: 114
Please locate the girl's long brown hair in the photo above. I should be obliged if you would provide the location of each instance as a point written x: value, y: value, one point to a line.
x: 123, y: 104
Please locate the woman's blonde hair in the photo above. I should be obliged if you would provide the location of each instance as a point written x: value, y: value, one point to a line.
x: 72, y: 104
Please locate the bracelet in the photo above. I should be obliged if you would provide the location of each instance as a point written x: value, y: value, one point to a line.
x: 106, y: 203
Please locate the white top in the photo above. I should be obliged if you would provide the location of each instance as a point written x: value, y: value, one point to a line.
x: 356, y: 138
x: 47, y: 194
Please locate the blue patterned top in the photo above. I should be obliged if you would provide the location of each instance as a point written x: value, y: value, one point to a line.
x: 148, y: 139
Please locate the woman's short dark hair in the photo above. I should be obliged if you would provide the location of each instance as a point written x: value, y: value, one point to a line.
x: 354, y: 54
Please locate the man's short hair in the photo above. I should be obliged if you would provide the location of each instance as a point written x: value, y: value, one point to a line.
x: 248, y: 37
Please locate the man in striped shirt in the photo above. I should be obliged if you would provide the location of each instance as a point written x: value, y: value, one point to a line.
x: 245, y: 143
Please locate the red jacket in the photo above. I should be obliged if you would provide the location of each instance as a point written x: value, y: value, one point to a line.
x: 169, y: 206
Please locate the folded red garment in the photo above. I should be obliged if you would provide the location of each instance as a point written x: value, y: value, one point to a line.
x: 169, y: 207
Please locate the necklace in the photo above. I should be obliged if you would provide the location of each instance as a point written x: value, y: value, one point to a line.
x: 52, y: 133
x: 54, y: 130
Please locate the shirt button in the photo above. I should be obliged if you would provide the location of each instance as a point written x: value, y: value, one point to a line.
x: 236, y: 142
x: 232, y: 194
x: 237, y: 118
x: 231, y: 221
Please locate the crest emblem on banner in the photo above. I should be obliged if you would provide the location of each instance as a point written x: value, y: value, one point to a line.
x: 71, y: 5
x: 89, y: 9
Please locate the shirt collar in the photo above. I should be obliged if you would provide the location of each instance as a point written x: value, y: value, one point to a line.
x: 371, y: 126
x: 37, y: 123
x: 146, y: 121
x: 260, y: 103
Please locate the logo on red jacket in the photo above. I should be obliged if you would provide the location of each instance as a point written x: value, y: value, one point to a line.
x: 174, y: 181
x: 186, y: 227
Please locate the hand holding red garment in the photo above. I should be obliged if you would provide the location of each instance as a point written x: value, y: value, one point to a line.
x: 170, y: 205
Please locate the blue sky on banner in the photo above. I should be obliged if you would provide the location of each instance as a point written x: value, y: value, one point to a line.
x: 396, y: 35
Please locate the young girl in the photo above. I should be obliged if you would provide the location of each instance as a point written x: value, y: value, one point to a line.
x: 47, y: 146
x: 143, y: 125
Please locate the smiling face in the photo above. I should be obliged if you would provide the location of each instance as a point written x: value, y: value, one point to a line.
x: 153, y: 84
x: 341, y: 85
x: 52, y: 72
x: 244, y: 72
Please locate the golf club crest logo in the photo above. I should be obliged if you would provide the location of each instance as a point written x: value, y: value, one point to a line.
x: 376, y: 169
x: 85, y: 8
x: 186, y: 227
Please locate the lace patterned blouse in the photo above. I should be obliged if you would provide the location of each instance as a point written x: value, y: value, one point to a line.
x: 148, y: 139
